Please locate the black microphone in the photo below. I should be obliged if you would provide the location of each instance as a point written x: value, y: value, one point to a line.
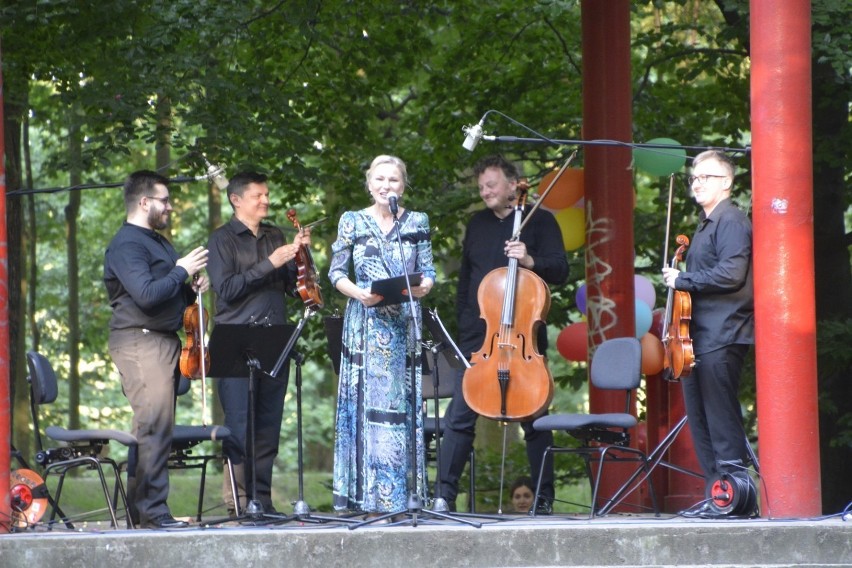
x: 474, y: 134
x: 393, y: 199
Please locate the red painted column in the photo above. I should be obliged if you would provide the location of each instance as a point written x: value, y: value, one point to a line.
x: 5, y: 405
x: 785, y: 314
x: 607, y: 114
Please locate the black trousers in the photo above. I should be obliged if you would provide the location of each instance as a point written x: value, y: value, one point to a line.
x: 457, y: 442
x: 711, y: 397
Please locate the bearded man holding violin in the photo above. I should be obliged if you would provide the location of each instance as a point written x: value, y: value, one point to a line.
x: 718, y: 277
x: 251, y: 269
x: 148, y: 291
x: 487, y: 245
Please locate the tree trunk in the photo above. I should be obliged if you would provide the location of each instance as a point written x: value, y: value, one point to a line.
x: 72, y: 212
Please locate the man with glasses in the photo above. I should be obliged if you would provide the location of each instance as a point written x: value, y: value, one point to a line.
x: 718, y: 277
x: 148, y: 290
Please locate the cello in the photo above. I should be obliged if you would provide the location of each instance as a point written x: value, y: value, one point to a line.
x: 306, y: 278
x: 509, y: 379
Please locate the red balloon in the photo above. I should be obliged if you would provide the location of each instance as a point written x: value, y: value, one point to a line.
x: 573, y: 342
x: 657, y: 317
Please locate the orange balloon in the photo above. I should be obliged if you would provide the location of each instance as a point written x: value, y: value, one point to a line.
x: 653, y: 354
x: 573, y: 342
x: 567, y: 190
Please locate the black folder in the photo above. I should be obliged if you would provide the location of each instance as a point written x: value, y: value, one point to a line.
x: 391, y: 288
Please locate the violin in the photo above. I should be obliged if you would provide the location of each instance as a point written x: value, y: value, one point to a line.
x: 307, y: 281
x: 509, y: 379
x: 679, y: 357
x: 194, y: 357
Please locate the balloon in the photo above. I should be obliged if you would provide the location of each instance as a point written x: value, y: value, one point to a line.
x: 657, y: 317
x: 644, y: 290
x: 566, y: 191
x: 581, y: 204
x: 572, y: 224
x: 573, y: 342
x: 660, y: 161
x: 643, y: 318
x: 653, y: 354
x: 581, y: 298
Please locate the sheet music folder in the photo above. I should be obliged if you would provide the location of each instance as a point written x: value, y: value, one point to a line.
x: 391, y: 288
x: 231, y: 344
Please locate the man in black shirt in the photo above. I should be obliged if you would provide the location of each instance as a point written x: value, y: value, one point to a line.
x: 718, y: 277
x: 251, y: 268
x: 147, y: 289
x: 487, y: 246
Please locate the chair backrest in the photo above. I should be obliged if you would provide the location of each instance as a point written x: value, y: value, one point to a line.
x: 617, y: 364
x: 42, y: 378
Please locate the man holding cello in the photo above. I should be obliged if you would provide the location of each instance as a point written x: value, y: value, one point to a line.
x: 718, y: 277
x: 488, y: 245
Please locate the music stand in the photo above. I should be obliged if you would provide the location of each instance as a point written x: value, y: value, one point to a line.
x: 301, y: 510
x: 441, y: 343
x: 243, y: 351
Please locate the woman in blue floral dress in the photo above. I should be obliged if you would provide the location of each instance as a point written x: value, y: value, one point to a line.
x: 372, y: 429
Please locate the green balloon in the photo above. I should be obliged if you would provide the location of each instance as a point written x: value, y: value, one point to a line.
x: 660, y: 161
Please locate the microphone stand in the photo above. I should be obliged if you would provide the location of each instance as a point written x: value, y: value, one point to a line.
x: 415, y: 503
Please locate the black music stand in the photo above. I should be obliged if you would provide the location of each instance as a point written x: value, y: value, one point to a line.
x: 301, y: 510
x: 441, y: 343
x: 243, y: 351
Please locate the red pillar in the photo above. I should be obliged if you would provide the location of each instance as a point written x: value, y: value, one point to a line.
x: 5, y: 414
x: 785, y: 315
x: 607, y: 106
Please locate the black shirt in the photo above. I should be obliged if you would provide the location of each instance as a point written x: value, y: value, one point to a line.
x: 719, y: 277
x: 483, y: 250
x: 248, y: 288
x: 145, y: 287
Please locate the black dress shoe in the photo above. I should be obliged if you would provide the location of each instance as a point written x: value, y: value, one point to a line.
x: 166, y: 521
x: 543, y: 507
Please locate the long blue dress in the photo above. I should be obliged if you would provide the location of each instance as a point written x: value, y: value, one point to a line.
x: 372, y: 429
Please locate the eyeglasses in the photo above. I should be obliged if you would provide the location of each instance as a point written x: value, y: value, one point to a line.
x: 163, y: 200
x: 702, y: 179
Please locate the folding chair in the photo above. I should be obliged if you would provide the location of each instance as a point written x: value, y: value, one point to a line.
x: 616, y: 365
x: 81, y: 448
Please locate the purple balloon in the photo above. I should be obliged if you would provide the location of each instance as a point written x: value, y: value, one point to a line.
x: 643, y: 289
x: 581, y: 298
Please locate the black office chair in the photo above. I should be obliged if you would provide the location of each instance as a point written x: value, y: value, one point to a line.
x: 81, y: 448
x: 186, y: 437
x: 616, y: 365
x: 433, y: 425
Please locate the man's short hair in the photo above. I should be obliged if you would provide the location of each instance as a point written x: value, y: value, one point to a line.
x: 720, y: 157
x: 240, y: 181
x: 510, y: 170
x: 139, y: 184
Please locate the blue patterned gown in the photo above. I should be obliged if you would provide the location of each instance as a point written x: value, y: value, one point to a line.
x: 372, y: 436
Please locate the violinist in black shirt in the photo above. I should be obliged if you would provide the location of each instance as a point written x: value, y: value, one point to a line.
x: 148, y: 291
x: 718, y: 277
